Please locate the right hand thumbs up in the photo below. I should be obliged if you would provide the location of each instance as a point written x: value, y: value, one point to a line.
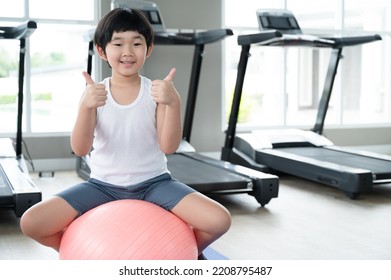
x: 87, y: 77
x: 95, y: 95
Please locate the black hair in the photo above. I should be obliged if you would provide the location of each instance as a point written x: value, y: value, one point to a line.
x: 121, y: 20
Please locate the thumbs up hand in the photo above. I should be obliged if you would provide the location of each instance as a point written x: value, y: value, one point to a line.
x: 170, y: 76
x: 163, y: 91
x: 95, y: 95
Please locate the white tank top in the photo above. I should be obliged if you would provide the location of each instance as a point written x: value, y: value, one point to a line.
x: 125, y: 147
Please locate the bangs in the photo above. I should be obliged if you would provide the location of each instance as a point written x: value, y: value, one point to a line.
x: 122, y: 20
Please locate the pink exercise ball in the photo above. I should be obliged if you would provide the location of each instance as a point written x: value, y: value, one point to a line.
x: 128, y: 230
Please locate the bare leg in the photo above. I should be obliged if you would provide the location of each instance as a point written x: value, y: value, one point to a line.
x: 209, y: 219
x: 45, y: 222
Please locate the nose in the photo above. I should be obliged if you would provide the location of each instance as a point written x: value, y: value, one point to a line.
x: 127, y: 51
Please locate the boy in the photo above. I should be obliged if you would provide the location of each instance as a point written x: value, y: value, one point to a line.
x: 131, y: 122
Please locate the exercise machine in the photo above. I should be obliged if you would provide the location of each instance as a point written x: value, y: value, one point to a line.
x: 205, y: 174
x: 17, y: 191
x: 305, y: 154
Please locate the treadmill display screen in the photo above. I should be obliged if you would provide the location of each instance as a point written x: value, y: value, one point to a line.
x: 153, y: 17
x: 278, y: 22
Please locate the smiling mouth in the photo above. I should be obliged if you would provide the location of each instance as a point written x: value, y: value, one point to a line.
x: 127, y: 62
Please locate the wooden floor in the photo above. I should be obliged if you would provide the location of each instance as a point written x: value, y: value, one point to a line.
x: 306, y: 222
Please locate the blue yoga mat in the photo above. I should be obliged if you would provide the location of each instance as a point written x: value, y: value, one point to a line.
x: 211, y: 254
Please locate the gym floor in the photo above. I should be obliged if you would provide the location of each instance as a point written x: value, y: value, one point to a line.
x: 307, y: 221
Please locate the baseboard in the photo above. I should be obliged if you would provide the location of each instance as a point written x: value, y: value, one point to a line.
x: 47, y: 165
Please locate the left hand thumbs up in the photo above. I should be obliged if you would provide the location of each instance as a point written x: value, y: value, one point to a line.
x: 163, y: 91
x: 170, y: 76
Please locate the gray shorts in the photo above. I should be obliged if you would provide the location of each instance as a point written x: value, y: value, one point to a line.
x: 161, y: 190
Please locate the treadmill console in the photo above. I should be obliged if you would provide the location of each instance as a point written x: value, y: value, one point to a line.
x: 281, y: 20
x: 284, y: 22
x: 149, y: 9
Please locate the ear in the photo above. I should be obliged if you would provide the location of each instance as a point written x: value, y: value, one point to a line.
x: 101, y: 52
x: 149, y: 52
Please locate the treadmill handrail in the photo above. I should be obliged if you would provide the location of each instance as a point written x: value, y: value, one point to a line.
x: 276, y: 38
x: 249, y: 39
x: 20, y: 31
x: 299, y: 40
x: 196, y: 38
x: 340, y: 42
x: 211, y: 36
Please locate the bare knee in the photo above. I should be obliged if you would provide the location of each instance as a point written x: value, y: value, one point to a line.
x: 27, y: 224
x: 222, y: 221
x: 47, y: 218
x: 30, y: 223
x: 217, y: 219
x: 210, y: 216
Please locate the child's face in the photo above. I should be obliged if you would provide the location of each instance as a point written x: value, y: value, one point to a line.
x: 126, y: 52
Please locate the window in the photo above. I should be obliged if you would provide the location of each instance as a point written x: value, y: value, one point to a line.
x: 56, y: 56
x: 283, y: 86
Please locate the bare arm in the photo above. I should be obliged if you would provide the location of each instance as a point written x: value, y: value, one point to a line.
x: 82, y: 136
x: 168, y: 113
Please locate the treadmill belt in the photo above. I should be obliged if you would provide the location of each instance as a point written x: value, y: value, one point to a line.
x: 377, y: 166
x: 204, y: 177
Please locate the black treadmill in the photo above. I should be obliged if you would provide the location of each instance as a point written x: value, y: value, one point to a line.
x: 17, y: 190
x: 305, y: 154
x: 205, y: 174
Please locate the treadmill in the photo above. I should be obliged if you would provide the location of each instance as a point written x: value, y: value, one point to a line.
x: 17, y: 191
x: 305, y: 154
x: 205, y: 174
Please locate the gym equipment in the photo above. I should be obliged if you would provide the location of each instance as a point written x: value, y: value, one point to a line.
x: 305, y: 154
x: 205, y: 174
x: 128, y: 230
x: 17, y: 191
